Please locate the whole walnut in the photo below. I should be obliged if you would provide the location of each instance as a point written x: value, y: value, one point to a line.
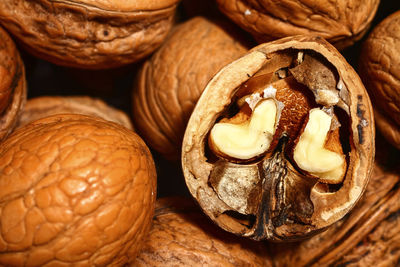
x: 12, y: 84
x: 89, y: 33
x: 281, y: 142
x: 341, y: 22
x: 171, y: 81
x: 75, y: 190
x: 182, y: 236
x: 379, y: 69
x: 40, y: 107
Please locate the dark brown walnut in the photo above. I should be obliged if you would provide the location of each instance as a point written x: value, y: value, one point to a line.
x: 182, y: 236
x: 12, y: 84
x: 75, y: 190
x: 379, y: 69
x: 89, y: 33
x: 341, y: 22
x: 368, y: 236
x: 40, y: 107
x: 281, y: 143
x: 171, y: 81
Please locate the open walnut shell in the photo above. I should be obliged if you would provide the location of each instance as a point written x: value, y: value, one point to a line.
x: 12, y: 84
x: 341, y: 22
x: 268, y: 193
x: 89, y: 33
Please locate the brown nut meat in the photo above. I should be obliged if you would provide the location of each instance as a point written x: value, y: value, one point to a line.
x: 182, y: 236
x: 75, y: 190
x: 341, y: 22
x: 12, y: 84
x: 379, y: 69
x: 170, y: 83
x: 369, y: 236
x: 40, y: 107
x: 284, y: 173
x: 89, y: 33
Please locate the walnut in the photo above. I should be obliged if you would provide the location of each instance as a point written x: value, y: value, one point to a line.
x: 170, y: 83
x: 379, y: 69
x: 341, y: 22
x: 40, y: 107
x: 12, y: 84
x: 75, y: 190
x: 280, y: 144
x: 182, y: 236
x: 89, y: 33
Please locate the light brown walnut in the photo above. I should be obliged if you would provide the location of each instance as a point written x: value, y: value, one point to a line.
x: 281, y: 143
x: 75, y: 190
x: 341, y: 22
x: 40, y: 107
x: 171, y: 81
x: 86, y: 33
x: 379, y: 69
x: 182, y: 236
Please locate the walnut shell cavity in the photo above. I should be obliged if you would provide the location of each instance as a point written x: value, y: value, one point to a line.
x: 171, y: 81
x: 76, y: 190
x: 341, y: 22
x: 12, y: 84
x: 89, y: 34
x: 40, y: 107
x: 368, y: 236
x: 255, y: 202
x: 379, y: 69
x: 182, y: 236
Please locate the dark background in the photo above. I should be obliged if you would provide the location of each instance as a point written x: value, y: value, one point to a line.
x: 115, y: 86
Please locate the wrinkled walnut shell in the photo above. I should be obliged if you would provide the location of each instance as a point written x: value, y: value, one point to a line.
x: 12, y: 84
x: 88, y: 33
x: 75, y: 190
x: 182, y: 236
x: 341, y: 22
x: 171, y: 81
x: 325, y: 204
x: 379, y: 69
x: 40, y: 107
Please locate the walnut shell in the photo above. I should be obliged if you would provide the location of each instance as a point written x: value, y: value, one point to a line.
x: 76, y: 190
x: 299, y: 206
x: 170, y: 83
x: 88, y: 33
x: 379, y: 69
x: 182, y: 236
x: 12, y: 84
x: 368, y: 236
x: 341, y: 22
x: 40, y: 107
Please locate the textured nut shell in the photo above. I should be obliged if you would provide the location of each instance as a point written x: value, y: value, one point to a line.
x: 379, y: 69
x: 40, y: 107
x: 368, y: 236
x: 75, y: 190
x: 182, y: 236
x: 171, y: 82
x: 89, y: 34
x: 12, y: 84
x: 217, y: 96
x: 340, y: 21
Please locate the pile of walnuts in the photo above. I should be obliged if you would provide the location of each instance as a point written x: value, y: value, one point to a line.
x: 204, y: 133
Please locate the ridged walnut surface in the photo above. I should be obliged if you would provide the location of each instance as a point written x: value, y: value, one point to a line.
x: 182, y: 236
x: 341, y: 22
x: 87, y: 33
x: 170, y: 83
x: 40, y: 107
x: 75, y: 190
x: 380, y: 71
x: 12, y: 84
